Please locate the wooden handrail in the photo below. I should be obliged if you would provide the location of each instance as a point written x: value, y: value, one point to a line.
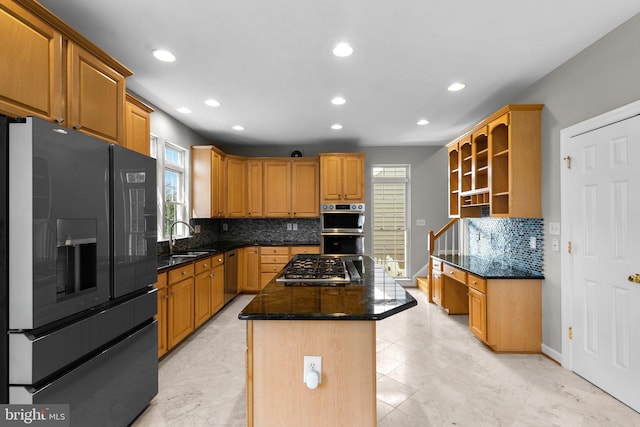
x: 432, y: 244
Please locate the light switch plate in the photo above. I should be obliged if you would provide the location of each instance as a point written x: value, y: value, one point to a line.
x: 421, y: 222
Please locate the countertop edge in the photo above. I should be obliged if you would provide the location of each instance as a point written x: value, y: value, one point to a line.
x: 521, y: 275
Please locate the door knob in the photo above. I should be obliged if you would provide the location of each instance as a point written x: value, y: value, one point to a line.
x: 635, y: 278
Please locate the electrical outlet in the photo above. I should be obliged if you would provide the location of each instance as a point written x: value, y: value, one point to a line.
x: 554, y: 228
x: 288, y: 226
x: 295, y: 226
x: 197, y: 228
x: 225, y: 227
x: 421, y: 222
x: 312, y: 363
x: 532, y: 242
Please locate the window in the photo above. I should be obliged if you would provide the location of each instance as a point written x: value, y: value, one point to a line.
x: 172, y: 184
x: 390, y: 184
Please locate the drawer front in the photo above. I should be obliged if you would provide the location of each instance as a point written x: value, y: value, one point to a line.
x: 271, y: 268
x: 274, y: 259
x: 274, y: 250
x: 203, y: 265
x: 295, y: 250
x: 477, y: 282
x: 436, y: 264
x: 181, y: 273
x: 455, y: 273
x: 217, y: 260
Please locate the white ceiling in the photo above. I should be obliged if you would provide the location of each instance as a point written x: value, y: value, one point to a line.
x: 269, y: 62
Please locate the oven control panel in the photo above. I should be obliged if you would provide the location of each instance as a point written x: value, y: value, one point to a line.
x: 342, y: 207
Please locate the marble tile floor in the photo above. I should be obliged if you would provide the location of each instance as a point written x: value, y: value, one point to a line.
x: 431, y: 372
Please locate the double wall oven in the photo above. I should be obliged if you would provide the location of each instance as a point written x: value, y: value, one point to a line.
x: 342, y: 229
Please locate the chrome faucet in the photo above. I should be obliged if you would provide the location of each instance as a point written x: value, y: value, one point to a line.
x: 171, y: 240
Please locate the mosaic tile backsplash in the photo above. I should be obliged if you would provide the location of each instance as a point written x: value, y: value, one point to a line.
x: 259, y: 230
x: 507, y: 240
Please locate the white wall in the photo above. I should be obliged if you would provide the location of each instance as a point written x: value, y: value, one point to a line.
x: 599, y: 79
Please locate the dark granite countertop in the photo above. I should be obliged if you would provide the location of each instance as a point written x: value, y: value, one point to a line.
x: 376, y: 297
x: 489, y: 269
x: 165, y: 262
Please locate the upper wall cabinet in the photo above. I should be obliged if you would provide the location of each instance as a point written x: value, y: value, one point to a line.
x: 290, y: 188
x: 208, y: 178
x: 49, y: 70
x: 137, y: 125
x: 254, y: 188
x: 341, y: 177
x: 236, y: 186
x: 498, y: 164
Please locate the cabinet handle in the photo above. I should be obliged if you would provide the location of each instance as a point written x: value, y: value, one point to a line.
x: 212, y: 275
x: 205, y: 265
x: 59, y: 119
x: 184, y: 272
x: 166, y: 297
x: 219, y: 259
x: 77, y: 127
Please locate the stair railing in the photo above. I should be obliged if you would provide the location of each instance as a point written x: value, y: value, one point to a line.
x: 434, y: 239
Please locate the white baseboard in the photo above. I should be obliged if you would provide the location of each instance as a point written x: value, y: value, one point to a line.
x: 551, y: 353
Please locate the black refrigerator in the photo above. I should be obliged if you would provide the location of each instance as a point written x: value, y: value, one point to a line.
x: 77, y: 268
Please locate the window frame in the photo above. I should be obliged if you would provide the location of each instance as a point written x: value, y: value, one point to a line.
x: 407, y: 217
x: 158, y: 146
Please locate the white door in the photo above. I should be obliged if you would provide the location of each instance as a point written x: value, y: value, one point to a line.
x: 604, y: 200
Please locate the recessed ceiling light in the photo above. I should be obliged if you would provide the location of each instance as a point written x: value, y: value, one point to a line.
x: 336, y: 126
x: 454, y: 87
x: 342, y: 49
x: 184, y: 110
x: 237, y: 127
x: 163, y: 55
x: 212, y: 103
x: 423, y: 122
x: 338, y: 100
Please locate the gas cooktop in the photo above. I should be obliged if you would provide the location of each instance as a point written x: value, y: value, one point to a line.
x: 320, y: 270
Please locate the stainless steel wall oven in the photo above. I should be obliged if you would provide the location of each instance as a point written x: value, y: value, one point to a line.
x: 342, y: 229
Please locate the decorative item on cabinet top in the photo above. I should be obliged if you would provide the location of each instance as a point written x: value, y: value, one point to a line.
x: 497, y: 164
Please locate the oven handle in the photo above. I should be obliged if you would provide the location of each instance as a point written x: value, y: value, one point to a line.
x: 342, y: 233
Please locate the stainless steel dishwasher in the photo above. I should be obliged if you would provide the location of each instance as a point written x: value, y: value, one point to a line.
x: 230, y: 275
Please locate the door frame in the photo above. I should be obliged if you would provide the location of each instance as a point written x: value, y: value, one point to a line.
x: 566, y: 262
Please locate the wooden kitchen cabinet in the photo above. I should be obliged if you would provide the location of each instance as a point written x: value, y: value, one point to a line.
x: 202, y: 292
x: 290, y: 188
x: 453, y: 296
x: 251, y: 265
x: 272, y: 260
x: 304, y: 250
x: 277, y: 188
x: 161, y: 315
x: 217, y: 283
x: 341, y: 177
x: 254, y: 188
x: 208, y: 182
x: 305, y: 189
x: 478, y: 314
x: 30, y: 65
x: 498, y: 165
x: 49, y: 70
x: 236, y: 188
x: 137, y: 125
x: 180, y: 307
x: 436, y: 273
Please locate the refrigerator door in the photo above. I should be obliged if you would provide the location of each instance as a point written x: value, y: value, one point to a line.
x: 59, y: 223
x: 133, y: 181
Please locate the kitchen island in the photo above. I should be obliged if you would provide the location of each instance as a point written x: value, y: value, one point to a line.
x: 286, y: 322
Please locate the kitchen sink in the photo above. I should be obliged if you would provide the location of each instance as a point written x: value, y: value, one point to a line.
x: 191, y: 254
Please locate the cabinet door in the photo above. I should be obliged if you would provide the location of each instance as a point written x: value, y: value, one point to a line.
x: 30, y: 65
x: 330, y: 179
x: 437, y: 287
x: 353, y: 178
x: 254, y: 188
x: 95, y: 96
x: 202, y: 295
x: 253, y: 269
x: 161, y: 315
x: 305, y: 200
x: 137, y: 126
x: 236, y: 187
x: 277, y: 188
x: 180, y: 311
x: 454, y: 181
x: 217, y: 288
x: 217, y: 184
x: 478, y: 314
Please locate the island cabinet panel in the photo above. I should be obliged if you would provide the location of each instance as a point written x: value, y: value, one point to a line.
x: 276, y: 393
x: 30, y: 65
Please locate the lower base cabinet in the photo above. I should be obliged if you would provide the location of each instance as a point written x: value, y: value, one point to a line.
x: 202, y: 291
x: 217, y: 287
x: 161, y: 316
x: 180, y: 311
